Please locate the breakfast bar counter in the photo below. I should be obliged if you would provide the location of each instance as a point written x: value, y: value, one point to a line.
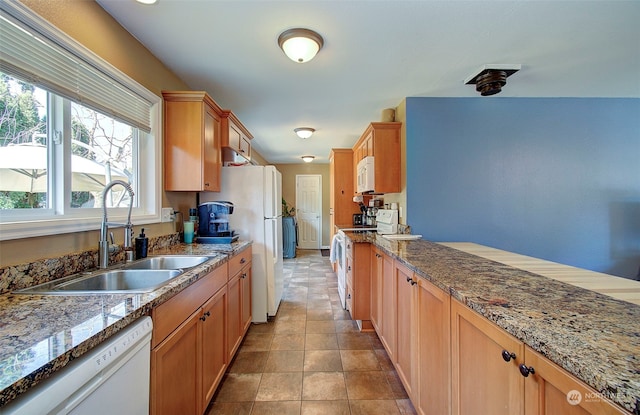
x: 591, y: 335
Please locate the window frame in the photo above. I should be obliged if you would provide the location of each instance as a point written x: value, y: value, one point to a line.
x: 17, y: 224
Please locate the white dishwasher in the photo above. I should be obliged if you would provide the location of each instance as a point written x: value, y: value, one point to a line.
x: 111, y: 379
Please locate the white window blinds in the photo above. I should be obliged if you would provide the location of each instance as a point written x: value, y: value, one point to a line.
x: 31, y: 51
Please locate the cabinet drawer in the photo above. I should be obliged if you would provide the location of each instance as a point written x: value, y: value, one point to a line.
x: 169, y: 315
x: 238, y: 261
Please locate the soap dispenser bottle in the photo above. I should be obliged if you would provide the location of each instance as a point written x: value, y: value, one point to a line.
x: 142, y: 244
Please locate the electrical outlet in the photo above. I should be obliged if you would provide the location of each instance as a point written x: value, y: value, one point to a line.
x: 167, y: 214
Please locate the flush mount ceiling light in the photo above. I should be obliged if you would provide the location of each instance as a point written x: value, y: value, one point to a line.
x: 300, y: 45
x: 308, y: 159
x: 490, y: 79
x: 304, y: 132
x: 147, y: 1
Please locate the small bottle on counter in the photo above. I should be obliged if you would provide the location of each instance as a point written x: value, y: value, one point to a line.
x: 142, y: 245
x: 193, y: 217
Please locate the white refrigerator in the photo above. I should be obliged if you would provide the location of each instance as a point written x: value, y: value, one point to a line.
x: 256, y: 194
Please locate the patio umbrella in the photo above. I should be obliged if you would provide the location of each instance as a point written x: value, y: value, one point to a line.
x: 23, y: 168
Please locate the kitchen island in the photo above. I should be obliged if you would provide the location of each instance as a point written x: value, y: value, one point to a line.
x: 41, y: 334
x: 592, y: 336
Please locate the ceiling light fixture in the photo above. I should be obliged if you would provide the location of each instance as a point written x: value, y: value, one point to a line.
x: 490, y: 79
x: 308, y: 159
x: 300, y: 45
x: 304, y: 132
x: 147, y: 1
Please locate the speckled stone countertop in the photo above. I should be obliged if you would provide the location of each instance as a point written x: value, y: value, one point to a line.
x: 592, y: 336
x: 40, y: 334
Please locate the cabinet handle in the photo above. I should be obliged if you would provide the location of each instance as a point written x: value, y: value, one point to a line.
x: 408, y: 279
x: 242, y: 260
x: 205, y: 315
x: 244, y: 275
x: 525, y: 371
x: 507, y: 356
x: 206, y: 184
x: 413, y: 282
x: 349, y: 297
x: 349, y: 268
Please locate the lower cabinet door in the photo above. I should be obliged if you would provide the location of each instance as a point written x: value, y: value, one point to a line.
x: 246, y: 299
x: 175, y: 371
x: 234, y: 304
x: 214, y: 344
x: 484, y: 363
x: 434, y: 350
x: 405, y: 329
x: 549, y: 390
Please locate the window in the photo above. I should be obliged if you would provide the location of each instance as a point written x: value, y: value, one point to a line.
x: 70, y: 124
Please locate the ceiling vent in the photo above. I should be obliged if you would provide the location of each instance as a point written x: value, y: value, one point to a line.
x: 490, y: 79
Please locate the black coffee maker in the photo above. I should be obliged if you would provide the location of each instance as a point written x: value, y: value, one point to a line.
x: 214, y: 219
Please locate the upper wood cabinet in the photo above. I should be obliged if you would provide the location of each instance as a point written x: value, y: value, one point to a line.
x: 192, y: 152
x: 382, y: 141
x: 341, y: 205
x: 236, y: 139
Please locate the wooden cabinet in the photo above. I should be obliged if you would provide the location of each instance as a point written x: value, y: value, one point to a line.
x: 175, y: 371
x: 187, y: 344
x: 192, y: 152
x: 213, y: 334
x: 239, y: 299
x: 382, y: 141
x: 433, y: 357
x: 236, y: 139
x: 358, y: 281
x: 383, y: 310
x: 341, y: 205
x: 549, y: 389
x: 488, y: 374
x: 483, y: 382
x: 404, y: 358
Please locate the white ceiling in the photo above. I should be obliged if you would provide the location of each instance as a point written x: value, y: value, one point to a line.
x: 376, y: 53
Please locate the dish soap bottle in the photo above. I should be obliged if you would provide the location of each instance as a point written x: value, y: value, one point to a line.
x: 142, y: 245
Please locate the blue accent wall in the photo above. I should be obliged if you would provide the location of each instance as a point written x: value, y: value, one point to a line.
x: 553, y: 178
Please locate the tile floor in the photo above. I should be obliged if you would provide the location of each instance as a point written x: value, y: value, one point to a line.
x: 311, y: 359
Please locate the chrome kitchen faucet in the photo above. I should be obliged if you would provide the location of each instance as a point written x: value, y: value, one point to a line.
x: 104, y: 248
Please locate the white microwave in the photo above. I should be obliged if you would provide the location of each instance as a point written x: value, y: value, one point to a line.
x: 366, y: 175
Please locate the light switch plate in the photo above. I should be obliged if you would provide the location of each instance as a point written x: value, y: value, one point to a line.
x: 167, y: 214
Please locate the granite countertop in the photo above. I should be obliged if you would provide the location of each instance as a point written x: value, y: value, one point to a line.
x: 593, y: 336
x: 40, y: 334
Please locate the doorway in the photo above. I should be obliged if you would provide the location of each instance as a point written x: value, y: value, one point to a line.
x: 309, y: 210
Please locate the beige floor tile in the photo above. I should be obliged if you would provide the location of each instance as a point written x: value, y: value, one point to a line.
x: 276, y: 408
x: 342, y: 315
x: 248, y: 362
x: 346, y: 326
x: 354, y: 341
x: 238, y: 387
x: 284, y: 361
x: 290, y: 326
x: 255, y: 342
x: 288, y: 342
x: 396, y: 385
x: 374, y: 407
x: 325, y: 408
x: 285, y: 386
x: 383, y: 359
x: 321, y: 341
x: 261, y: 328
x: 320, y: 326
x: 320, y: 314
x: 368, y: 385
x: 355, y: 360
x: 230, y: 408
x: 322, y: 361
x: 405, y: 407
x: 323, y: 386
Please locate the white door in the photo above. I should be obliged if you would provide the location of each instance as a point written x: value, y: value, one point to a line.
x: 309, y: 210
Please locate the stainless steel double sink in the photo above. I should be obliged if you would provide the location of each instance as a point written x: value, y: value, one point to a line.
x: 144, y: 275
